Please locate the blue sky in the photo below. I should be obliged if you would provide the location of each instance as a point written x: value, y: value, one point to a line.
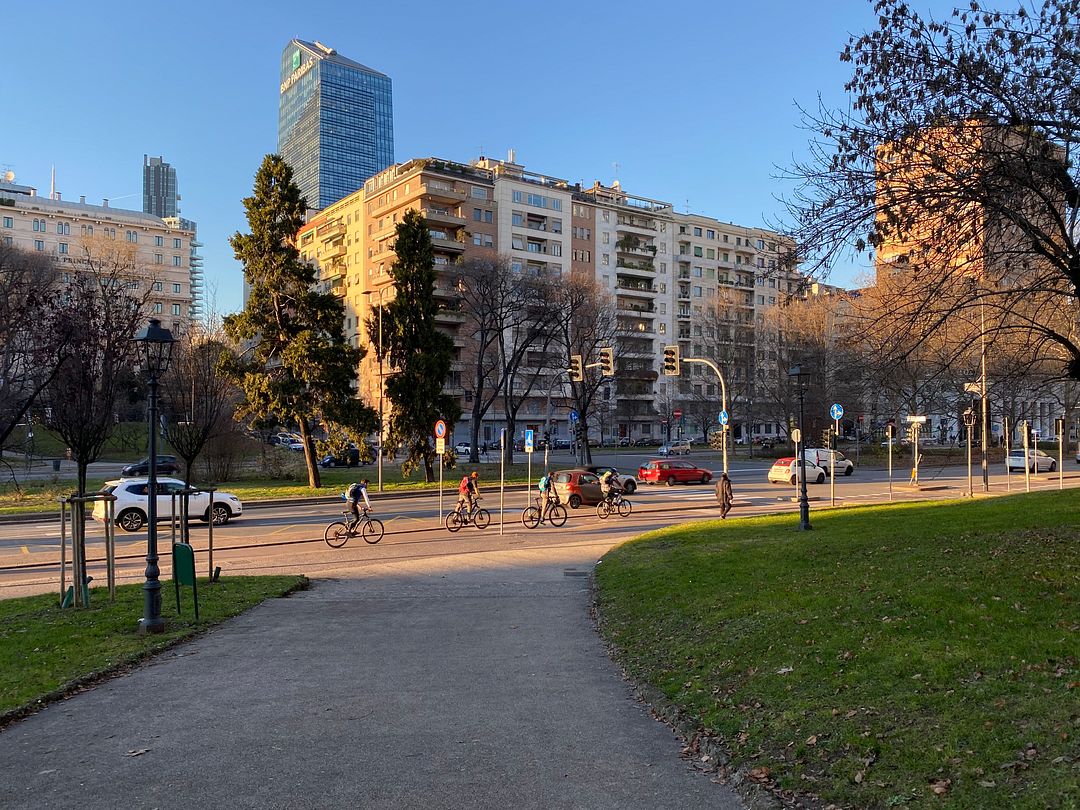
x: 695, y: 101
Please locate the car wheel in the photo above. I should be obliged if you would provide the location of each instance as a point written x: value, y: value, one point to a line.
x: 630, y: 487
x: 670, y: 481
x: 222, y: 514
x: 1053, y: 466
x: 821, y: 478
x: 575, y: 501
x: 849, y: 471
x: 131, y: 520
x: 704, y: 479
x: 792, y: 480
x: 708, y: 478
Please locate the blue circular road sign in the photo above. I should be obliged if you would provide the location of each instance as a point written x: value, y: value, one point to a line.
x: 573, y: 415
x: 836, y: 411
x: 724, y: 418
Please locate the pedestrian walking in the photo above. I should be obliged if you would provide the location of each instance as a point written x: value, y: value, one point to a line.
x: 724, y: 495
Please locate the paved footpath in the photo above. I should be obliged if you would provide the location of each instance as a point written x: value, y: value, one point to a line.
x: 434, y: 683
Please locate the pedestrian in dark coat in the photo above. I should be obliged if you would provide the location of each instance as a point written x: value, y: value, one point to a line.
x: 724, y: 495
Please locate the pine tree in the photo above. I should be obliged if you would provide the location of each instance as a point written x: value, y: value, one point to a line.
x: 299, y: 368
x: 419, y: 354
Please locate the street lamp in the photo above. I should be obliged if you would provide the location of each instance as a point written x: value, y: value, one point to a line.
x: 155, y: 343
x: 804, y: 502
x: 969, y: 422
x: 379, y: 352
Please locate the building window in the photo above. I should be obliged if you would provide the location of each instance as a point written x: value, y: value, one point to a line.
x: 697, y: 292
x: 159, y: 259
x: 489, y: 217
x: 697, y: 231
x: 39, y: 245
x: 663, y: 328
x: 63, y: 229
x: 477, y: 239
x: 132, y: 236
x: 478, y: 214
x: 479, y: 193
x: 697, y: 252
x: 62, y: 248
x: 175, y: 309
x: 176, y: 289
x: 9, y: 222
x: 517, y: 219
x: 7, y: 241
x: 176, y: 244
x: 177, y: 261
x: 157, y: 286
x: 159, y: 241
x: 760, y: 244
x: 761, y: 299
x: 604, y: 260
x: 711, y: 234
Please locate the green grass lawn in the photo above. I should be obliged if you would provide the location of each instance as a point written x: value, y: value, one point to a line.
x: 899, y: 656
x: 45, y: 649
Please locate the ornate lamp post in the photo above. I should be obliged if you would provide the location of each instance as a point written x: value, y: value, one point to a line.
x: 370, y: 294
x: 156, y: 345
x: 804, y: 502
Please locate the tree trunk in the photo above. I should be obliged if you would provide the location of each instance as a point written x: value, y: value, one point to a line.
x: 314, y: 480
x: 477, y: 416
x: 508, y: 438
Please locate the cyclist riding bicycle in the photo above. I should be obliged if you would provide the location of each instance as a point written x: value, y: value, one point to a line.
x: 467, y: 492
x: 353, y: 495
x: 609, y: 485
x: 548, y: 495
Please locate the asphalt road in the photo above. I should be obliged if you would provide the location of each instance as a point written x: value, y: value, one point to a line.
x: 289, y: 538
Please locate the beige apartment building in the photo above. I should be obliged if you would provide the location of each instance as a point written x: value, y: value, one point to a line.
x: 674, y: 278
x: 63, y: 230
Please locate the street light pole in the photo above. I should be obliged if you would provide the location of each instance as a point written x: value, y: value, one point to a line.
x: 804, y: 500
x: 985, y: 401
x: 156, y: 343
x: 382, y: 421
x: 723, y: 399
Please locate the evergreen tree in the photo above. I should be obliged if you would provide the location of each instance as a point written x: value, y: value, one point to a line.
x: 419, y: 354
x: 299, y: 367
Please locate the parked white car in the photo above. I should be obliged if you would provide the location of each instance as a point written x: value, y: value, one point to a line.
x: 786, y: 471
x: 823, y: 456
x: 130, y: 505
x: 674, y: 449
x: 1037, y: 462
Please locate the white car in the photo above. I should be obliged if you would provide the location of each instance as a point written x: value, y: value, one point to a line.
x: 463, y: 448
x: 822, y: 458
x: 674, y: 449
x: 130, y: 505
x: 1039, y: 462
x: 786, y: 471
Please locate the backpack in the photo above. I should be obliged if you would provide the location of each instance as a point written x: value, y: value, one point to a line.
x: 353, y: 492
x: 544, y: 483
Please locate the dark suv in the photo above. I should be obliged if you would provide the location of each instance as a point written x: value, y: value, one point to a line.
x: 166, y: 465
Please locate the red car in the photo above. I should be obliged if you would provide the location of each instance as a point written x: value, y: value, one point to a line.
x: 672, y: 473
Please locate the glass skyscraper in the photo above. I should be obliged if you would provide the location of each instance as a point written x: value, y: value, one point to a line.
x: 335, y: 121
x: 159, y: 195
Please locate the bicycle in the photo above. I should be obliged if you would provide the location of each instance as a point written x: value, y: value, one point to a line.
x: 615, y: 502
x: 480, y: 518
x: 338, y: 533
x: 532, y: 516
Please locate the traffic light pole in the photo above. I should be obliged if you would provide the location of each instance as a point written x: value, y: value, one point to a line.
x: 723, y: 396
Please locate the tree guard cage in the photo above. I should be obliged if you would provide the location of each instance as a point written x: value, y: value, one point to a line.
x: 73, y: 513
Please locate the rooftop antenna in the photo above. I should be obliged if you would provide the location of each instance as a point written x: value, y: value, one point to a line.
x: 52, y: 184
x: 687, y: 206
x: 615, y: 166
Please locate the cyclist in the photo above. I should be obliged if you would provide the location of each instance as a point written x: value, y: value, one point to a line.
x: 467, y: 492
x: 353, y: 495
x: 609, y: 485
x: 548, y: 496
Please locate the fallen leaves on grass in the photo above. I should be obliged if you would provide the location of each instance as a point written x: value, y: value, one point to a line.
x: 941, y: 787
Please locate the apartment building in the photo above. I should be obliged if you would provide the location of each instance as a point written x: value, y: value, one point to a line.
x: 64, y: 230
x: 674, y: 278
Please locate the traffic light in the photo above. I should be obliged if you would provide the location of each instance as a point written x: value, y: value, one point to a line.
x: 826, y: 438
x: 671, y: 361
x: 890, y: 429
x: 607, y: 362
x: 575, y: 368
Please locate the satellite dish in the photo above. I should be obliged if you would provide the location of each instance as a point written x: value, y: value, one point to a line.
x: 9, y: 176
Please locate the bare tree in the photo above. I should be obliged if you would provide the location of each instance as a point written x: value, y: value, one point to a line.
x: 198, y: 397
x: 586, y: 323
x: 954, y: 162
x: 105, y: 304
x: 33, y: 337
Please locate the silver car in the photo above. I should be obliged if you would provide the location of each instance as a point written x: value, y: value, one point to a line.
x: 1037, y: 461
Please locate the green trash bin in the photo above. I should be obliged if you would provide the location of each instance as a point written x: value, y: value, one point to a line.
x: 56, y: 465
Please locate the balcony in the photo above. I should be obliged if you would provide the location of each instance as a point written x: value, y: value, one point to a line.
x: 331, y: 230
x: 337, y: 251
x: 644, y: 310
x: 442, y: 192
x: 683, y: 315
x: 636, y: 225
x: 442, y: 216
x: 636, y: 327
x: 647, y: 251
x: 636, y: 287
x: 640, y: 269
x: 449, y: 316
x: 338, y: 290
x: 447, y: 244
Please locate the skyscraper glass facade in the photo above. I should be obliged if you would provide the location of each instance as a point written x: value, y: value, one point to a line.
x: 335, y: 122
x: 159, y: 188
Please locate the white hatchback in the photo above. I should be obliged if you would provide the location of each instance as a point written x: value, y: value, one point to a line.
x: 786, y: 471
x: 1037, y: 462
x: 131, y: 501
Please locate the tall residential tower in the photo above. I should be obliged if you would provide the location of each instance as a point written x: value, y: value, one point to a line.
x: 335, y: 122
x: 162, y: 200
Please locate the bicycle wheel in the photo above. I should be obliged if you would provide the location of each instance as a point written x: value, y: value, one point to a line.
x: 372, y: 531
x: 603, y: 509
x: 625, y: 508
x: 530, y: 517
x: 336, y: 535
x: 557, y: 515
x: 452, y: 521
x: 482, y: 518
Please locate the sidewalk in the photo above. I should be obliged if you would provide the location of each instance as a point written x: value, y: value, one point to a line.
x: 435, y: 683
